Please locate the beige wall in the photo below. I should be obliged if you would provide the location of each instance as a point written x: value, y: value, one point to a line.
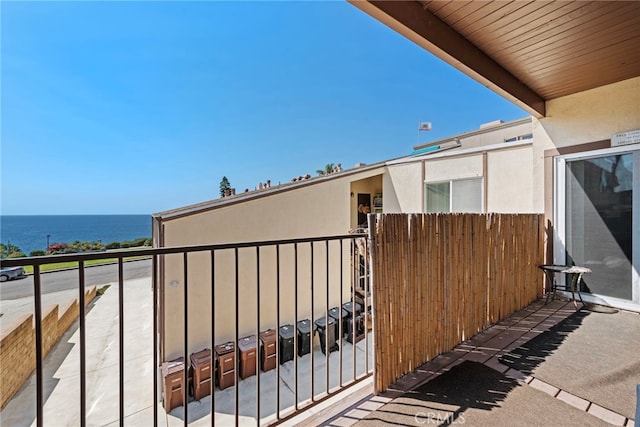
x: 309, y: 211
x: 582, y: 118
x: 316, y: 210
x: 446, y: 168
x: 510, y: 180
x: 403, y: 188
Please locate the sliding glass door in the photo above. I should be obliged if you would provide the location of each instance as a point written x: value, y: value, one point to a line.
x: 596, y: 213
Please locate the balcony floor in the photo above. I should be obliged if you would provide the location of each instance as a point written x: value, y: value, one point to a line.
x: 544, y: 365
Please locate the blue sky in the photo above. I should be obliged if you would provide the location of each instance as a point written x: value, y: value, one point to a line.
x: 139, y: 107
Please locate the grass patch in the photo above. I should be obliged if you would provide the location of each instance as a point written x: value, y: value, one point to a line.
x: 65, y: 265
x: 102, y: 290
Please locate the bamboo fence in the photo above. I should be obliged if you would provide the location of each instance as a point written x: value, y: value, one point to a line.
x: 439, y: 279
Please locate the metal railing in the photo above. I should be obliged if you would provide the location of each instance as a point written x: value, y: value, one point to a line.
x: 334, y: 250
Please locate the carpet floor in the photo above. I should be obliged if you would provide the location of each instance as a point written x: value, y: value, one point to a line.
x: 591, y: 355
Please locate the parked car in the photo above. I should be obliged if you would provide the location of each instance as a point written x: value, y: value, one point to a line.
x: 10, y: 273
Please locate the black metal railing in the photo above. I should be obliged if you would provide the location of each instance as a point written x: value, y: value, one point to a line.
x: 332, y: 250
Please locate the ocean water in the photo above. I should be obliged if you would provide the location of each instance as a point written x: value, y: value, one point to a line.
x: 29, y: 232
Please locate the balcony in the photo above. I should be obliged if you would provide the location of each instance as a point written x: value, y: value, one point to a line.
x: 428, y: 317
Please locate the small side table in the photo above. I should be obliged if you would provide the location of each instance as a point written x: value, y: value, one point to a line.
x: 572, y: 271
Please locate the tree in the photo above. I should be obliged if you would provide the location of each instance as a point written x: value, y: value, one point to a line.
x: 327, y: 169
x: 224, y: 185
x: 10, y: 251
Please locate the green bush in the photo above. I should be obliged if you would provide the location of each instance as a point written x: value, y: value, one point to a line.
x: 113, y: 245
x: 134, y: 243
x: 139, y: 242
x: 37, y: 253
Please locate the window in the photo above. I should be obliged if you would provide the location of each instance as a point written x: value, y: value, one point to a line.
x: 463, y: 195
x: 438, y: 197
x: 519, y: 138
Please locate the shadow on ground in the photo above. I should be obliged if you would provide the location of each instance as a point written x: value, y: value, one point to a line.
x: 535, y: 351
x: 445, y: 399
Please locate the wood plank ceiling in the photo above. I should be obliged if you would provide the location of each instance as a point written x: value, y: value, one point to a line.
x: 529, y: 51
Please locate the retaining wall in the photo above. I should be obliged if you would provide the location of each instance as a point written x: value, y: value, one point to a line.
x: 18, y: 344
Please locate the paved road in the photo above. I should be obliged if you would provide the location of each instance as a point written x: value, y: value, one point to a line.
x: 68, y: 279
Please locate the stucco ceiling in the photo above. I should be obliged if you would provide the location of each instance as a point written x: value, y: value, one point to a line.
x: 528, y: 51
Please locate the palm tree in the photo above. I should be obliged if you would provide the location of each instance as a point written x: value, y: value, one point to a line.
x: 327, y: 169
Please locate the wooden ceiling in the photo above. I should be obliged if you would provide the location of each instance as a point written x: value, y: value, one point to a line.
x: 528, y: 51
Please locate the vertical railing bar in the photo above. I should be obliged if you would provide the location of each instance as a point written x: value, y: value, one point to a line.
x: 121, y: 334
x: 278, y: 332
x: 154, y: 282
x: 258, y: 336
x: 326, y: 319
x: 213, y: 339
x: 312, y: 326
x: 367, y: 288
x: 185, y: 388
x: 295, y: 319
x: 37, y: 299
x: 356, y: 282
x: 340, y: 310
x: 370, y: 251
x: 83, y: 347
x: 235, y: 343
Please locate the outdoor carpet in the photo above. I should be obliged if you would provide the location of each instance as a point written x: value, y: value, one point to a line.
x: 476, y: 395
x: 590, y: 354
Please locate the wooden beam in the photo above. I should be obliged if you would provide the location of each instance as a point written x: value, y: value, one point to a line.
x: 413, y: 21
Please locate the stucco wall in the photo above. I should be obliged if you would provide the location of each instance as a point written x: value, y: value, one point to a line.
x: 582, y: 118
x: 509, y: 180
x: 443, y: 169
x: 403, y: 188
x: 314, y: 210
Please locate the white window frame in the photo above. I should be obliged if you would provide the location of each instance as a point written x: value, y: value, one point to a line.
x: 450, y: 182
